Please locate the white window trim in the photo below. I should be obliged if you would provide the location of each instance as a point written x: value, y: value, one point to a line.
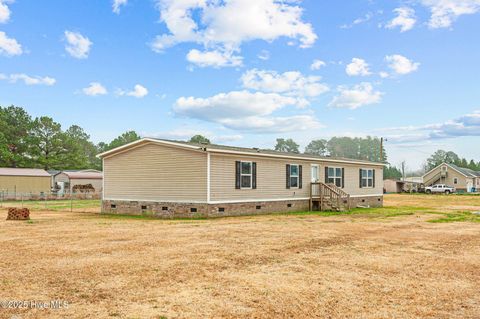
x: 297, y: 176
x: 335, y: 174
x: 251, y: 175
x: 318, y: 173
x: 368, y: 178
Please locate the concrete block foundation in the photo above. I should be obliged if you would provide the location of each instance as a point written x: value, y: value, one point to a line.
x: 168, y: 210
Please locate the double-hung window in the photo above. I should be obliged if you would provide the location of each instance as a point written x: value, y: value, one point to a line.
x: 294, y: 176
x: 366, y: 178
x: 246, y: 174
x: 335, y: 176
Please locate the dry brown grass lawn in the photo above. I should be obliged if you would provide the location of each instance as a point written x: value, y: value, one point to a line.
x: 297, y: 266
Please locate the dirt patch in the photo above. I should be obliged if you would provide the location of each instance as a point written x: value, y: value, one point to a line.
x: 255, y: 267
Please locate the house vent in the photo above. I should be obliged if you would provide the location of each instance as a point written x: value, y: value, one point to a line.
x: 289, y: 205
x: 113, y: 206
x: 193, y: 210
x: 164, y: 208
x: 259, y: 207
x: 144, y: 207
x: 221, y: 209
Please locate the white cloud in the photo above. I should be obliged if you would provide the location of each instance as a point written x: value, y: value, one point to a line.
x: 29, y: 80
x: 358, y: 67
x: 401, y: 65
x: 368, y: 16
x: 117, y: 4
x: 234, y: 104
x: 291, y: 83
x: 270, y: 125
x: 213, y: 58
x: 445, y: 12
x: 95, y: 89
x: 78, y: 46
x: 138, y: 91
x: 264, y: 55
x: 317, y: 64
x: 359, y: 95
x: 4, y: 11
x: 466, y: 125
x: 245, y: 111
x: 9, y: 46
x: 384, y: 74
x: 405, y: 19
x: 225, y: 25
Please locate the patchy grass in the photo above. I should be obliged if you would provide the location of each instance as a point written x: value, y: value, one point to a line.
x: 367, y: 263
x: 456, y: 217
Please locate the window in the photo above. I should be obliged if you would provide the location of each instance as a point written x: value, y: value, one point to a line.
x: 294, y: 175
x: 315, y: 173
x: 246, y: 174
x: 335, y: 176
x: 455, y: 180
x: 367, y: 178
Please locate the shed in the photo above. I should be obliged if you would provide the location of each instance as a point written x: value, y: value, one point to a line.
x: 77, y: 181
x: 393, y: 186
x: 19, y: 181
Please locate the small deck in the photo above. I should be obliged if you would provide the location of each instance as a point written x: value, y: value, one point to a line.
x: 325, y: 197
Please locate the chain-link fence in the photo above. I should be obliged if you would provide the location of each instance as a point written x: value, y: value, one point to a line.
x: 74, y: 202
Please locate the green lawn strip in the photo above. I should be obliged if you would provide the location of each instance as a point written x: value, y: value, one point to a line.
x: 459, y: 216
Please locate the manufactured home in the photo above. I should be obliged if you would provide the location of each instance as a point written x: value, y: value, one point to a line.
x: 180, y: 179
x: 463, y: 179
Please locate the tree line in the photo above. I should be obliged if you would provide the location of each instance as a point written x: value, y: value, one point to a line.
x: 42, y: 143
x: 450, y: 157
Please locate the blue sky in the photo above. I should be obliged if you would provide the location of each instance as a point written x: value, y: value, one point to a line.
x: 244, y: 72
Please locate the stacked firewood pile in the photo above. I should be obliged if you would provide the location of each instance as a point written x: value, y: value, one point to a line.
x: 18, y: 213
x: 88, y: 188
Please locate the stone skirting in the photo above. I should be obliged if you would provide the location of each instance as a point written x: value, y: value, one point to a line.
x: 194, y: 210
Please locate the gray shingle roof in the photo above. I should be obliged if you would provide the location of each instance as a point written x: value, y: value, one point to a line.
x: 466, y: 171
x: 265, y: 151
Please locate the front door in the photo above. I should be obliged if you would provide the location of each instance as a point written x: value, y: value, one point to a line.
x: 315, y: 173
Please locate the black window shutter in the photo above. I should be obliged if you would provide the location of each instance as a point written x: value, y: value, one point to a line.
x: 360, y: 177
x: 237, y: 174
x: 300, y: 176
x: 326, y: 174
x: 343, y: 177
x: 373, y: 178
x: 288, y: 176
x: 254, y: 175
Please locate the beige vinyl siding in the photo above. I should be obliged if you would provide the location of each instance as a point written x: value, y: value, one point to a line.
x: 25, y: 184
x: 352, y: 178
x: 156, y: 172
x: 271, y: 178
x: 449, y: 179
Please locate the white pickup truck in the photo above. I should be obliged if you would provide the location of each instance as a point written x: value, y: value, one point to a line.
x: 440, y: 188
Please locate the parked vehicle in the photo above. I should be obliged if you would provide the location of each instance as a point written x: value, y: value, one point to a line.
x: 440, y: 188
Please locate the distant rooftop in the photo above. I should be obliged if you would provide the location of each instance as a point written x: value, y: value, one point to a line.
x: 7, y: 171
